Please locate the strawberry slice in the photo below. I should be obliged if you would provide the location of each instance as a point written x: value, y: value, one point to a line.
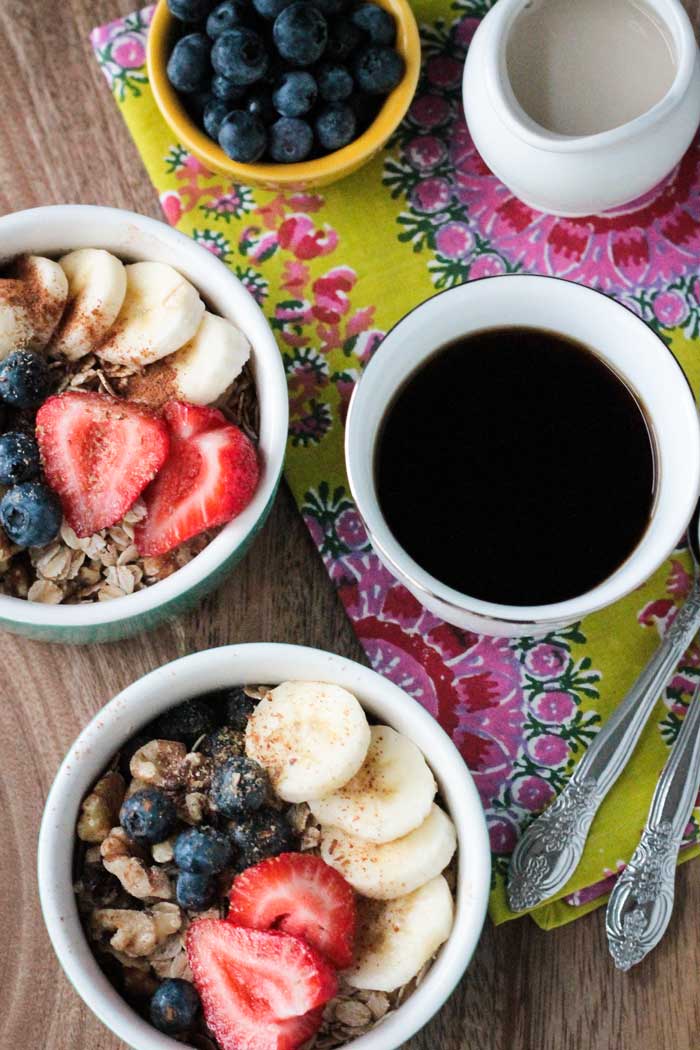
x: 209, y: 477
x: 259, y: 991
x: 99, y: 453
x: 301, y: 895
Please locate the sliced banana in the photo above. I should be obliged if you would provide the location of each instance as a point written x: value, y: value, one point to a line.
x: 31, y: 304
x: 396, y: 938
x: 390, y: 795
x: 392, y: 869
x: 16, y: 326
x: 199, y: 372
x: 160, y: 313
x: 311, y: 737
x: 96, y: 290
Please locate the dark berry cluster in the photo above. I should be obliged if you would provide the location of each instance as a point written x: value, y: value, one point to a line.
x: 30, y: 513
x: 283, y: 80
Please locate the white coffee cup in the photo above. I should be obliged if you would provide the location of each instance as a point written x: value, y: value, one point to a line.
x: 619, y: 338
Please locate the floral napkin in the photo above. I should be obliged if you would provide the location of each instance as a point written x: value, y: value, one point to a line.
x: 333, y: 272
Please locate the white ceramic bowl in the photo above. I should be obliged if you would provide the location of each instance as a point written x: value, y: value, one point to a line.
x: 54, y: 230
x: 214, y: 669
x: 577, y: 175
x: 621, y: 339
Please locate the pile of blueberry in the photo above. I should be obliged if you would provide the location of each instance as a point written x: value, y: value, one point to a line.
x: 30, y: 513
x: 284, y: 80
x: 243, y: 828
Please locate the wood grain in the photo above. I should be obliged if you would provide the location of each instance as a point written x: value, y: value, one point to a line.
x: 62, y: 140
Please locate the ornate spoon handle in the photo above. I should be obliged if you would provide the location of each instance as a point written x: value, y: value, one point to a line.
x: 641, y: 903
x: 550, y: 850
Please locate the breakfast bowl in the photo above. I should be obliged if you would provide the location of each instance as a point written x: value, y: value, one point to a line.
x: 632, y: 352
x: 218, y: 669
x: 52, y: 231
x: 314, y: 172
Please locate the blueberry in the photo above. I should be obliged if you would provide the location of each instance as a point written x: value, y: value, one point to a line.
x: 30, y: 514
x: 378, y: 70
x: 238, y: 786
x: 296, y: 94
x: 215, y: 113
x: 227, y: 15
x: 189, y: 68
x: 343, y: 38
x: 336, y: 126
x: 335, y: 82
x: 376, y: 23
x: 260, y: 105
x: 222, y: 87
x: 262, y: 834
x: 19, y: 457
x: 25, y: 379
x: 237, y: 706
x: 190, y: 10
x: 174, y: 1006
x: 203, y: 851
x: 300, y: 33
x: 291, y: 140
x: 240, y: 54
x: 148, y: 815
x: 194, y: 891
x: 186, y: 722
x: 223, y: 743
x: 270, y: 8
x: 242, y: 137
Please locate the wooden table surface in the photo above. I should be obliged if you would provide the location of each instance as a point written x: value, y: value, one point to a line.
x: 62, y: 140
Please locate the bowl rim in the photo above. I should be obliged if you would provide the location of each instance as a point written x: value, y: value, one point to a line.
x: 333, y: 165
x: 211, y: 669
x: 30, y: 225
x: 427, y: 587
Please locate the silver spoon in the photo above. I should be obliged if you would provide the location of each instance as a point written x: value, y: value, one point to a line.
x: 550, y: 850
x: 640, y: 905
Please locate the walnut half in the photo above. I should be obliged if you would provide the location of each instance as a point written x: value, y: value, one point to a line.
x: 137, y: 933
x: 100, y: 810
x: 120, y: 858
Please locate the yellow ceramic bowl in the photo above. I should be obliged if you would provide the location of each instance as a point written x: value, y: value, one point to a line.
x: 318, y: 172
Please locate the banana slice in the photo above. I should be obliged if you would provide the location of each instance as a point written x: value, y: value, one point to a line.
x: 391, y: 794
x: 392, y: 869
x: 395, y: 939
x: 199, y: 372
x: 31, y: 304
x: 160, y: 313
x: 311, y: 737
x: 96, y: 290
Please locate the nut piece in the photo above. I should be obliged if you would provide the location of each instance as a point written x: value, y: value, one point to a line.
x: 162, y: 852
x: 194, y: 808
x: 159, y: 763
x: 100, y: 810
x: 197, y: 772
x: 138, y: 932
x: 139, y: 880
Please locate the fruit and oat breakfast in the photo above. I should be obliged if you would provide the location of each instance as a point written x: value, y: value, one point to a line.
x: 283, y: 80
x: 262, y: 868
x: 128, y: 426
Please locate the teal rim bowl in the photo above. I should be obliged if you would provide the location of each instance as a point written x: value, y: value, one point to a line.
x: 55, y: 230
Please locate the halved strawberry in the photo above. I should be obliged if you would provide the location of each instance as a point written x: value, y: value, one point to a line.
x: 99, y: 453
x: 259, y: 991
x: 209, y: 477
x: 301, y: 895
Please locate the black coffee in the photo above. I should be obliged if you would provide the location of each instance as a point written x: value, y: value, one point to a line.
x: 516, y: 467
